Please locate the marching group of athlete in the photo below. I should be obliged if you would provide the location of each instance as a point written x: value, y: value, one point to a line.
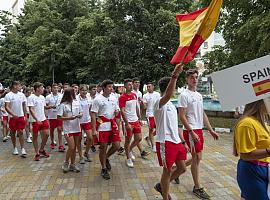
x: 103, y: 116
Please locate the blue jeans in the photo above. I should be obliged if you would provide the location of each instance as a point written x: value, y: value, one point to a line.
x: 252, y: 180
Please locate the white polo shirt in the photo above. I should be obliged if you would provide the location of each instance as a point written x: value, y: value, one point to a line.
x: 166, y: 123
x: 138, y: 96
x: 85, y: 104
x: 150, y: 99
x: 193, y: 102
x: 69, y: 110
x: 38, y: 103
x: 53, y: 100
x: 16, y: 101
x: 105, y: 106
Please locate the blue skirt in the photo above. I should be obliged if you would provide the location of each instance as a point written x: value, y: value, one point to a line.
x: 252, y: 180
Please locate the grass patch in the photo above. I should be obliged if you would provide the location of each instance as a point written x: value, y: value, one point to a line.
x: 222, y: 122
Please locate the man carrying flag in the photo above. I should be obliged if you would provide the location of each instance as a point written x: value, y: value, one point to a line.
x: 195, y: 28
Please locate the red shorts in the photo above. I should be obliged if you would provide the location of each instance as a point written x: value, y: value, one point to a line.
x: 18, y: 123
x: 86, y: 126
x: 151, y: 122
x: 44, y: 125
x: 170, y: 152
x: 108, y: 137
x: 55, y: 123
x: 118, y: 116
x: 72, y: 134
x: 5, y: 118
x: 198, y: 146
x: 135, y: 129
x: 95, y: 140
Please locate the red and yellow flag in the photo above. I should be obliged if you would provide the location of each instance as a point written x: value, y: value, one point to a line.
x: 261, y: 87
x: 195, y: 28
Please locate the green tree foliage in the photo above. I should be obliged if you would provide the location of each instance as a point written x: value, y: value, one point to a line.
x: 91, y: 40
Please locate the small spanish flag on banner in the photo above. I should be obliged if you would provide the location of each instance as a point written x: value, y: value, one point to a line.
x: 195, y: 28
x: 261, y: 87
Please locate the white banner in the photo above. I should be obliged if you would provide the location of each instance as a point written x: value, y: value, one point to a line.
x: 244, y: 83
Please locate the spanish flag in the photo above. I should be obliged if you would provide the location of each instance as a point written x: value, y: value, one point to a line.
x: 261, y: 87
x: 195, y: 28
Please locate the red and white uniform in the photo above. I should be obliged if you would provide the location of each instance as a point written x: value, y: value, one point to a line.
x: 70, y: 127
x: 85, y: 104
x: 16, y: 101
x: 38, y: 103
x: 193, y: 102
x: 169, y: 146
x: 106, y: 107
x: 54, y: 100
x: 150, y: 99
x: 3, y: 114
x: 129, y: 102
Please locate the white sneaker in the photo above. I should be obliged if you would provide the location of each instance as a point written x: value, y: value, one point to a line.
x: 23, y: 152
x: 84, y: 135
x: 154, y: 149
x: 131, y: 156
x: 55, y: 143
x: 30, y: 135
x: 5, y: 139
x: 29, y: 140
x: 129, y: 163
x: 15, y: 151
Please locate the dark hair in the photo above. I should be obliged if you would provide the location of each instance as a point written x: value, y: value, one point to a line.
x: 150, y: 83
x: 91, y: 86
x: 68, y: 96
x: 66, y: 84
x: 163, y: 83
x: 15, y: 83
x: 127, y: 80
x: 105, y: 83
x: 37, y: 85
x: 27, y: 89
x: 191, y: 72
x: 55, y: 84
x: 83, y: 86
x: 135, y: 79
x: 3, y: 94
x: 45, y: 92
x: 74, y: 85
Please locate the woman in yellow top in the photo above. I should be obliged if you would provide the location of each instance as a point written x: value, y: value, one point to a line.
x: 252, y: 144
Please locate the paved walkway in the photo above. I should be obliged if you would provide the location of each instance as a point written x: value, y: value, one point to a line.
x: 27, y: 179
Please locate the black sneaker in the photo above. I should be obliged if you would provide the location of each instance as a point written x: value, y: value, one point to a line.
x: 108, y: 165
x: 93, y: 148
x: 144, y: 154
x: 158, y: 189
x: 105, y: 174
x: 121, y: 150
x: 177, y: 181
x: 87, y: 158
x: 201, y: 193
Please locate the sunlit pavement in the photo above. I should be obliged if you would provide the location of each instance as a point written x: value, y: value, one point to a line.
x: 23, y: 178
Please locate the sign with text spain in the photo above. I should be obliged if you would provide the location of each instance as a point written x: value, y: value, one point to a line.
x: 244, y: 83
